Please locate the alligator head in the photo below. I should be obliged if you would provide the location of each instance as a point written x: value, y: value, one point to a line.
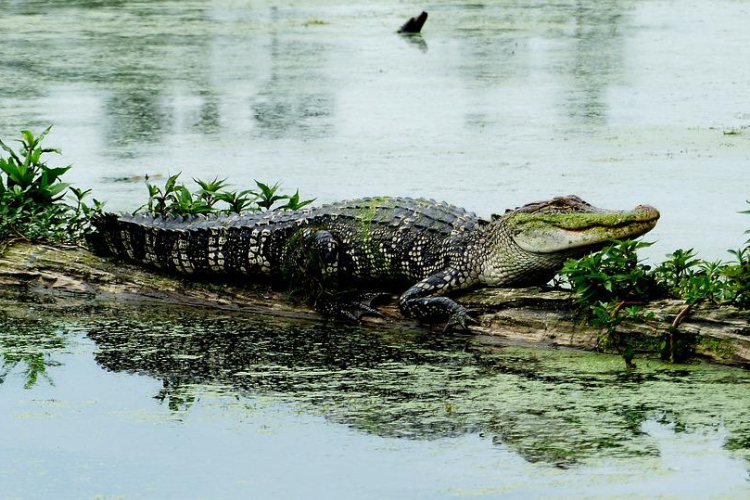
x: 569, y: 223
x: 542, y: 236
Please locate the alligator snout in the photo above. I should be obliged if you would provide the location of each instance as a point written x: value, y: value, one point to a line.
x: 647, y: 213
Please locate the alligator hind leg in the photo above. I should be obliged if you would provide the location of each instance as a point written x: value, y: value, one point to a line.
x: 425, y: 301
x: 311, y: 266
x: 310, y: 262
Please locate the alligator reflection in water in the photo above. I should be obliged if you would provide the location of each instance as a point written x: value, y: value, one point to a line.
x: 551, y: 406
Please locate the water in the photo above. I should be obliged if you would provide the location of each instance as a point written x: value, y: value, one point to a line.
x: 190, y: 405
x: 498, y: 103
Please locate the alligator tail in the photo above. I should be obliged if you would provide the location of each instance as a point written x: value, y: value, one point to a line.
x: 100, y: 241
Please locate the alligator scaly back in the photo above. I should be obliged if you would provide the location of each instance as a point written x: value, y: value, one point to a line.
x: 258, y: 243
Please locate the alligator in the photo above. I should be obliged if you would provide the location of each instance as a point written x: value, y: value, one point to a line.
x: 430, y: 249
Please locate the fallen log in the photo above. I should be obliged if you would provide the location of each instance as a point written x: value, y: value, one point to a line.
x: 55, y: 277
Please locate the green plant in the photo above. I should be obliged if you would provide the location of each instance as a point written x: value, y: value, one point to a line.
x: 610, y: 285
x: 294, y: 203
x: 209, y: 190
x: 31, y: 196
x: 613, y: 274
x: 673, y: 272
x: 78, y: 223
x: 238, y: 202
x: 27, y: 176
x: 738, y: 277
x: 267, y: 195
x: 178, y: 199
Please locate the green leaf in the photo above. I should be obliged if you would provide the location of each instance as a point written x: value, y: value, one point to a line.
x: 57, y: 188
x: 54, y: 173
x: 185, y: 197
x: 43, y: 134
x: 28, y: 139
x: 169, y: 185
x: 11, y: 152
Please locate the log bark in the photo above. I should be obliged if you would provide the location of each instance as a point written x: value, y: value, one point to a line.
x: 57, y: 278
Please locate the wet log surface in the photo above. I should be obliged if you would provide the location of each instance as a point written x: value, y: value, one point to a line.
x: 58, y: 278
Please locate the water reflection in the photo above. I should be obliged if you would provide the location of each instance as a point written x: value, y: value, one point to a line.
x: 158, y: 58
x: 136, y: 116
x: 415, y: 40
x: 596, y: 59
x: 577, y: 43
x: 208, y: 120
x: 548, y: 406
x: 296, y: 99
x: 27, y: 350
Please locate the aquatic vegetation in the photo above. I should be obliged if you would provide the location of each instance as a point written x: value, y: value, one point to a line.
x: 32, y: 205
x: 549, y: 406
x: 178, y: 199
x: 611, y: 286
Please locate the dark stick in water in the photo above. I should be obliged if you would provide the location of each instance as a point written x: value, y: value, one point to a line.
x: 414, y: 24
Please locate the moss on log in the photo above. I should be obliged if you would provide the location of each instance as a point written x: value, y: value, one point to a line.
x: 57, y: 278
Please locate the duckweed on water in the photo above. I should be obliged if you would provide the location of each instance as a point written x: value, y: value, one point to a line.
x: 557, y: 407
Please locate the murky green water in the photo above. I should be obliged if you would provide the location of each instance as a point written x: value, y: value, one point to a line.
x: 498, y: 104
x: 187, y: 405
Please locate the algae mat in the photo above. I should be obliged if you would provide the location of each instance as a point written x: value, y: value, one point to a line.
x: 118, y: 405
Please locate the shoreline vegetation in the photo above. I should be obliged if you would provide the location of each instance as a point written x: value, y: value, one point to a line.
x: 610, y: 301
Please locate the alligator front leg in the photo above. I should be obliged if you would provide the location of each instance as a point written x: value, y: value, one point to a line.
x: 425, y: 301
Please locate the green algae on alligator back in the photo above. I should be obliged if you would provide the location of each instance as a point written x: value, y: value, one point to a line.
x: 430, y: 249
x: 554, y: 406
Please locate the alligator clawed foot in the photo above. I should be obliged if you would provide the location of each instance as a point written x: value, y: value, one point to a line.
x: 460, y: 321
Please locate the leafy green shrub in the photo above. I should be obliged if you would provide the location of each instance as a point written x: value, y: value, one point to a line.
x: 31, y: 196
x: 673, y: 273
x: 738, y: 277
x: 32, y: 205
x: 612, y: 274
x: 610, y: 286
